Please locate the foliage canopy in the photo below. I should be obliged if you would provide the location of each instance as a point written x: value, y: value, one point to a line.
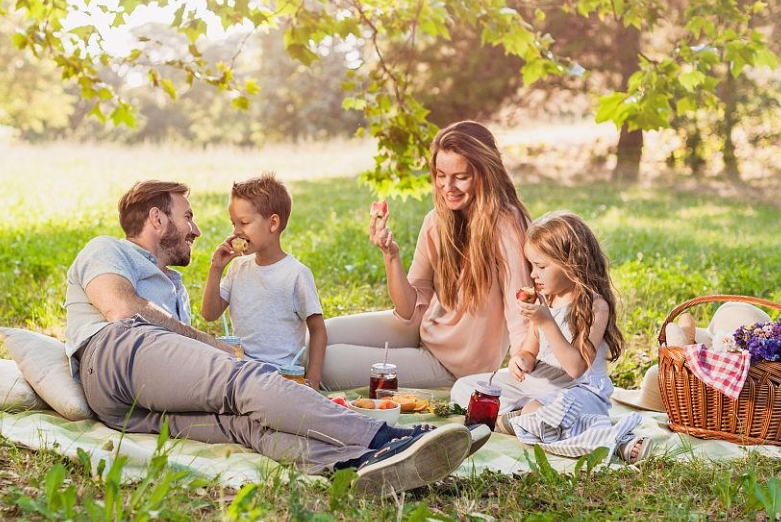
x: 714, y: 37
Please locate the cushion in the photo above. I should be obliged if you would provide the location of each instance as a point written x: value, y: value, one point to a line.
x: 15, y: 393
x: 43, y: 363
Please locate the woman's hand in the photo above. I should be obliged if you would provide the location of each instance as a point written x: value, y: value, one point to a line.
x: 381, y: 235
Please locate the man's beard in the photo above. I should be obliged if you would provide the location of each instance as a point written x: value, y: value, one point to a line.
x: 174, y: 244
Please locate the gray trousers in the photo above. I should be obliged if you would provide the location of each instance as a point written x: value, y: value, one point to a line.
x: 355, y: 342
x: 136, y: 374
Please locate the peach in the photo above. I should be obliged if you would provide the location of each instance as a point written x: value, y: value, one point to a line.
x: 367, y: 404
x: 386, y: 404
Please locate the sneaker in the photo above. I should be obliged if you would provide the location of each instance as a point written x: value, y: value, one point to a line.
x: 412, y: 462
x: 480, y: 434
x: 503, y: 424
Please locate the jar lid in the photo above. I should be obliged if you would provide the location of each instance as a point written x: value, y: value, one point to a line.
x: 488, y: 389
x: 230, y: 339
x: 383, y: 368
x: 292, y: 369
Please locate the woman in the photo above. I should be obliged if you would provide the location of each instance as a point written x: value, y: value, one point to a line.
x: 454, y: 313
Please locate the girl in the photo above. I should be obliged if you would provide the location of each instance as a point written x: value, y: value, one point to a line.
x: 556, y: 389
x: 454, y: 311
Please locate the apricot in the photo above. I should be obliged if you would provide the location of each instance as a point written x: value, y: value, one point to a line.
x: 386, y: 404
x: 367, y: 404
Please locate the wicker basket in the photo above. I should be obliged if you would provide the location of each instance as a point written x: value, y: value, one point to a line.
x: 699, y: 410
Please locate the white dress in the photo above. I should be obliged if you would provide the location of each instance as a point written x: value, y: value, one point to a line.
x: 573, y: 420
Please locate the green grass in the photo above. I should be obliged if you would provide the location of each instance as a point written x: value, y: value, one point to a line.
x: 666, y: 246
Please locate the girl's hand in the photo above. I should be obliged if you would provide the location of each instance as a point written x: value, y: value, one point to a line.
x: 224, y: 254
x: 380, y: 235
x: 537, y: 314
x: 519, y: 365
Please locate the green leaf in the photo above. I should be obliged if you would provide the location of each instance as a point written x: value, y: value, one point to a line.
x: 251, y: 87
x: 19, y: 40
x: 97, y: 113
x: 241, y: 102
x: 691, y: 80
x: 123, y: 114
x: 612, y: 107
x: 169, y: 88
x: 765, y: 58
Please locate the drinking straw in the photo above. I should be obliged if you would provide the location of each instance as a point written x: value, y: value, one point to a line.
x: 385, y: 361
x: 299, y: 354
x: 225, y: 324
x: 491, y: 378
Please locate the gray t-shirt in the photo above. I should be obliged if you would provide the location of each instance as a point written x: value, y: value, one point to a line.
x: 109, y: 255
x: 269, y: 306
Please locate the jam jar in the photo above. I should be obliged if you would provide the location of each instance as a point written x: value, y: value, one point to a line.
x: 383, y: 377
x: 293, y: 372
x: 483, y: 405
x: 238, y: 350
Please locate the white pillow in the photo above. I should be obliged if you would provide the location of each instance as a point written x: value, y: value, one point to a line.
x: 43, y: 363
x: 15, y: 392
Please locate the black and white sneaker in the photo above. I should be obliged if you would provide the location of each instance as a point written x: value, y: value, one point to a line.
x: 480, y: 433
x: 412, y: 462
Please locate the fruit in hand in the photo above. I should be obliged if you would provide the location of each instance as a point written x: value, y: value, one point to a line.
x: 239, y: 245
x: 366, y: 404
x: 379, y: 208
x: 341, y: 401
x: 526, y: 294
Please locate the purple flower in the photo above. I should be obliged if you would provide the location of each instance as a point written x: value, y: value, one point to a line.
x: 762, y: 340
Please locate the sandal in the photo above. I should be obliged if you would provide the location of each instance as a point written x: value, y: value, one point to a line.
x: 641, y: 446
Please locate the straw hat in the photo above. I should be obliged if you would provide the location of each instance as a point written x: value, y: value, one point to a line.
x: 647, y: 397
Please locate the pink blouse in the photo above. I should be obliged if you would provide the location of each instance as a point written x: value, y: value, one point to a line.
x: 467, y: 343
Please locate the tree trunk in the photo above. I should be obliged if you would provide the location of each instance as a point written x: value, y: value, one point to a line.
x: 630, y: 152
x: 729, y: 97
x: 630, y: 143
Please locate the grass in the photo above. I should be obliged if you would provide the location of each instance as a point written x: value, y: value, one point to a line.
x: 666, y: 244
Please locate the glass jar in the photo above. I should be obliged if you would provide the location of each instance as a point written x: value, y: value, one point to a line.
x: 383, y: 377
x: 483, y: 405
x: 293, y: 372
x: 238, y: 350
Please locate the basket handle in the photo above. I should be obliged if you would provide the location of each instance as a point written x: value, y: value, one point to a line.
x: 711, y: 299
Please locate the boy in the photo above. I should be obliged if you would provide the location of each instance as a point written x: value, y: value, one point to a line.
x: 272, y: 296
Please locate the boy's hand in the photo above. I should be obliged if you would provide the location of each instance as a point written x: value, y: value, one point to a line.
x: 224, y: 253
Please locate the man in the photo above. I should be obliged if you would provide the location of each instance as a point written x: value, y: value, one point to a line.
x: 133, y: 349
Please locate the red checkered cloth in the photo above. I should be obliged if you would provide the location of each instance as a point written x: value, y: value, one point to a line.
x: 725, y: 371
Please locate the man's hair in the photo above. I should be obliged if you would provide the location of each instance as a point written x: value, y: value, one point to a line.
x: 268, y: 195
x: 134, y: 206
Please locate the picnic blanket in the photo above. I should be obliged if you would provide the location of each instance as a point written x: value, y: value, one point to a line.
x: 234, y: 465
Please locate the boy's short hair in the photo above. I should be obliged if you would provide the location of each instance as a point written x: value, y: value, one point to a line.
x: 268, y: 196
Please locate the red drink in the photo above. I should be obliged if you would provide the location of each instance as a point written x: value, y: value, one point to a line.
x: 383, y: 377
x: 483, y: 405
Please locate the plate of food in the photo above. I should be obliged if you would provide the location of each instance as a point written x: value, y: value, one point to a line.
x: 410, y: 400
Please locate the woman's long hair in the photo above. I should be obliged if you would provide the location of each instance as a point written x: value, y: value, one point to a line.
x: 468, y: 240
x: 569, y: 243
